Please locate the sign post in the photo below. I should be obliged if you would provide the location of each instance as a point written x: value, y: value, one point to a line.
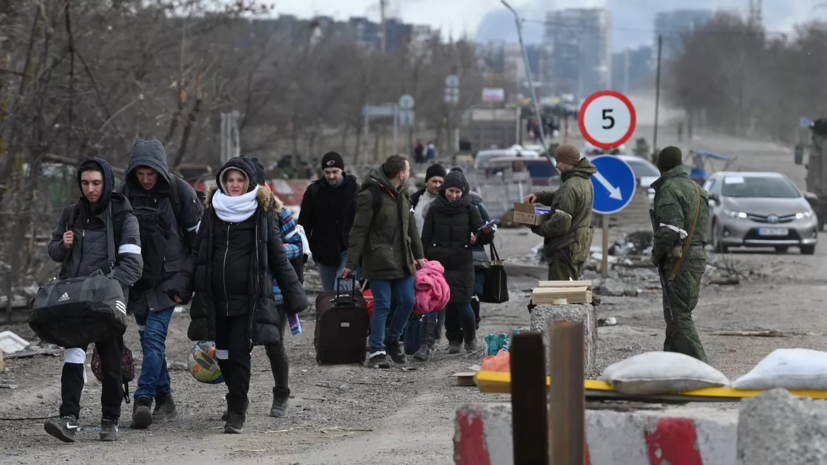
x: 607, y: 120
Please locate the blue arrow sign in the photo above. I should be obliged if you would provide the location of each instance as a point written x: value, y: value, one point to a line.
x: 614, y: 184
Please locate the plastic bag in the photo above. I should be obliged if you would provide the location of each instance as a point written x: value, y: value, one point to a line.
x: 499, y: 363
x: 788, y: 369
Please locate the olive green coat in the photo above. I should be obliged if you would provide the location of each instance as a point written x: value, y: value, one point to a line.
x: 386, y: 242
x: 568, y: 233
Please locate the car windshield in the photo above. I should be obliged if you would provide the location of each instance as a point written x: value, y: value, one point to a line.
x: 759, y: 187
x: 643, y: 169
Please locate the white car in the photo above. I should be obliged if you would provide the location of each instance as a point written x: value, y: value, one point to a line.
x: 645, y: 172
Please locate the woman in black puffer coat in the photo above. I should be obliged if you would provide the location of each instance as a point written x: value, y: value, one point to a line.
x: 452, y: 226
x: 236, y: 257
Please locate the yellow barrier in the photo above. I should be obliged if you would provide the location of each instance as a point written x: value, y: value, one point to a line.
x: 491, y: 382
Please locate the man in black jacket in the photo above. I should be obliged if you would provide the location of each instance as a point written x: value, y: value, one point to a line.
x: 327, y: 212
x: 84, y: 238
x: 150, y: 187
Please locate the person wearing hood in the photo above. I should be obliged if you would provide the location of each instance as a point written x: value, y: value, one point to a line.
x: 82, y: 246
x: 385, y: 240
x: 327, y: 213
x: 154, y: 192
x: 237, y: 255
x: 421, y: 200
x: 568, y: 233
x: 453, y: 225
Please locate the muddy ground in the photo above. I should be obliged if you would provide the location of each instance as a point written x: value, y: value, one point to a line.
x: 350, y: 414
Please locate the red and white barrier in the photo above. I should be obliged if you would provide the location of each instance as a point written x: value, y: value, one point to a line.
x: 483, y: 437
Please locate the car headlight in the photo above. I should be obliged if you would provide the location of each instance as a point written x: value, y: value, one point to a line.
x: 802, y: 215
x: 734, y: 214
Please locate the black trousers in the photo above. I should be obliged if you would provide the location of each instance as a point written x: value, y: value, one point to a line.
x: 459, y: 323
x: 278, y: 361
x: 71, y: 381
x: 233, y: 352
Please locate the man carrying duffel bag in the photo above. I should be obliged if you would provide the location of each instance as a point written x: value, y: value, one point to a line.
x: 98, y: 237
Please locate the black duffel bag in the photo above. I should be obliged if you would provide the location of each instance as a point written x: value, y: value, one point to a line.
x: 78, y: 311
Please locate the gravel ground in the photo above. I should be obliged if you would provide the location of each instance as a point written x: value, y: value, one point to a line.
x: 350, y: 414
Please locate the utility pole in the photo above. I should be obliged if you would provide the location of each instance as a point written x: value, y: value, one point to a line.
x: 657, y: 93
x: 531, y: 83
x: 382, y: 4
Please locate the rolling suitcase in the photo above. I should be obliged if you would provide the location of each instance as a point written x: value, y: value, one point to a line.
x: 341, y: 327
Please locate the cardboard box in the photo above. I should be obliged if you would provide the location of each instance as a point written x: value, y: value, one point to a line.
x: 524, y: 213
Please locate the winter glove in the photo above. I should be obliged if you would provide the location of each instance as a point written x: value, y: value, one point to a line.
x: 676, y: 252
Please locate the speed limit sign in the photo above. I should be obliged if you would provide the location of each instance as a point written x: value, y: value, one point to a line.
x: 607, y: 119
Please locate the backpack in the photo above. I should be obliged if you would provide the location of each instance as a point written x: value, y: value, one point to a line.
x: 127, y: 369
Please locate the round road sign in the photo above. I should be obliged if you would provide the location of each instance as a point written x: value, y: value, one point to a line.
x: 452, y: 81
x: 406, y: 102
x: 607, y: 119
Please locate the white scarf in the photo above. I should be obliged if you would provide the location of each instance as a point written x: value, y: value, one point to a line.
x: 235, y: 209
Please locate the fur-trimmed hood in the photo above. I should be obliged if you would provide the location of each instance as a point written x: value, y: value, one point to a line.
x: 266, y: 199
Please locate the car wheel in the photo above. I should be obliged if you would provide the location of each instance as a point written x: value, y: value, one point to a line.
x: 808, y: 249
x: 717, y: 241
x: 782, y: 249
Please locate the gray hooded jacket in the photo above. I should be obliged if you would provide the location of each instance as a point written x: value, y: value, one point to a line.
x: 90, y: 250
x: 151, y: 154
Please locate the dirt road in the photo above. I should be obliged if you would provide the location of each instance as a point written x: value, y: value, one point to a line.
x: 349, y: 414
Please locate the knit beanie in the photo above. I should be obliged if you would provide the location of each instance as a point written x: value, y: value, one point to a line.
x: 568, y: 154
x: 434, y: 170
x: 333, y: 160
x: 455, y: 179
x: 669, y: 158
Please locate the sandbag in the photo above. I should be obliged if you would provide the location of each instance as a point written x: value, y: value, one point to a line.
x: 661, y: 373
x: 787, y: 369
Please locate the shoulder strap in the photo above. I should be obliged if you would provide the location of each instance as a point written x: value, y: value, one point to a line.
x: 688, y: 241
x: 175, y: 196
x: 70, y: 222
x: 110, y: 238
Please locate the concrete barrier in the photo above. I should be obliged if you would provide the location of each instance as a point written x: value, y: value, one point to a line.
x: 777, y: 427
x: 703, y: 437
x: 543, y: 315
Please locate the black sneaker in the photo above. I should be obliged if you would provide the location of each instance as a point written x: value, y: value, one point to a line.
x: 164, y: 409
x: 454, y: 347
x: 280, y: 400
x: 142, y: 412
x: 63, y: 428
x: 379, y: 361
x: 394, y: 350
x: 109, y: 429
x: 234, y: 424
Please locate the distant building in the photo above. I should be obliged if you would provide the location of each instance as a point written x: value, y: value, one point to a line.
x: 580, y: 41
x: 631, y: 68
x: 503, y: 62
x: 672, y: 25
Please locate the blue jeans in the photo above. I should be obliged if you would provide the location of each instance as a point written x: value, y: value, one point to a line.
x: 413, y: 334
x: 154, y: 380
x: 330, y: 273
x: 383, y: 289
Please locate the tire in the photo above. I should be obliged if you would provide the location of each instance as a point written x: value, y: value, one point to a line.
x: 782, y: 249
x: 808, y: 249
x: 718, y: 244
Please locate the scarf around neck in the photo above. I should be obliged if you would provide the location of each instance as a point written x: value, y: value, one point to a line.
x: 235, y: 209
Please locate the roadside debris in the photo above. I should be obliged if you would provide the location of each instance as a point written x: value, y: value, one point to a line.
x: 603, y: 322
x: 11, y: 343
x: 769, y: 333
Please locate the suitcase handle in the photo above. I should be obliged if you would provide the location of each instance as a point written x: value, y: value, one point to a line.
x: 338, y: 289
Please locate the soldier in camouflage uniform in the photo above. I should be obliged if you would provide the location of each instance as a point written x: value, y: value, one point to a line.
x: 676, y: 206
x: 568, y: 233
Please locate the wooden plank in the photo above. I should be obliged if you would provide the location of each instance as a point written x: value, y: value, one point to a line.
x: 567, y: 398
x: 573, y: 295
x: 465, y: 379
x: 587, y: 284
x: 528, y: 399
x: 2, y: 366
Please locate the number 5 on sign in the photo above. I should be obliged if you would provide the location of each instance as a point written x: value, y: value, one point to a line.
x: 607, y: 119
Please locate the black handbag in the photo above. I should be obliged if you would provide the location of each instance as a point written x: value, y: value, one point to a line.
x: 78, y: 311
x: 496, y: 282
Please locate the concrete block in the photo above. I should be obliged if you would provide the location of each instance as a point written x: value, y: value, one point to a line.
x: 543, y: 315
x: 777, y: 427
x: 483, y: 437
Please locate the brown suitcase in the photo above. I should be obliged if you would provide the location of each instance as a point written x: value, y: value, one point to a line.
x: 341, y: 327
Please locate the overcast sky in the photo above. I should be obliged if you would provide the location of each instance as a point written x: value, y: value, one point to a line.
x: 488, y: 19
